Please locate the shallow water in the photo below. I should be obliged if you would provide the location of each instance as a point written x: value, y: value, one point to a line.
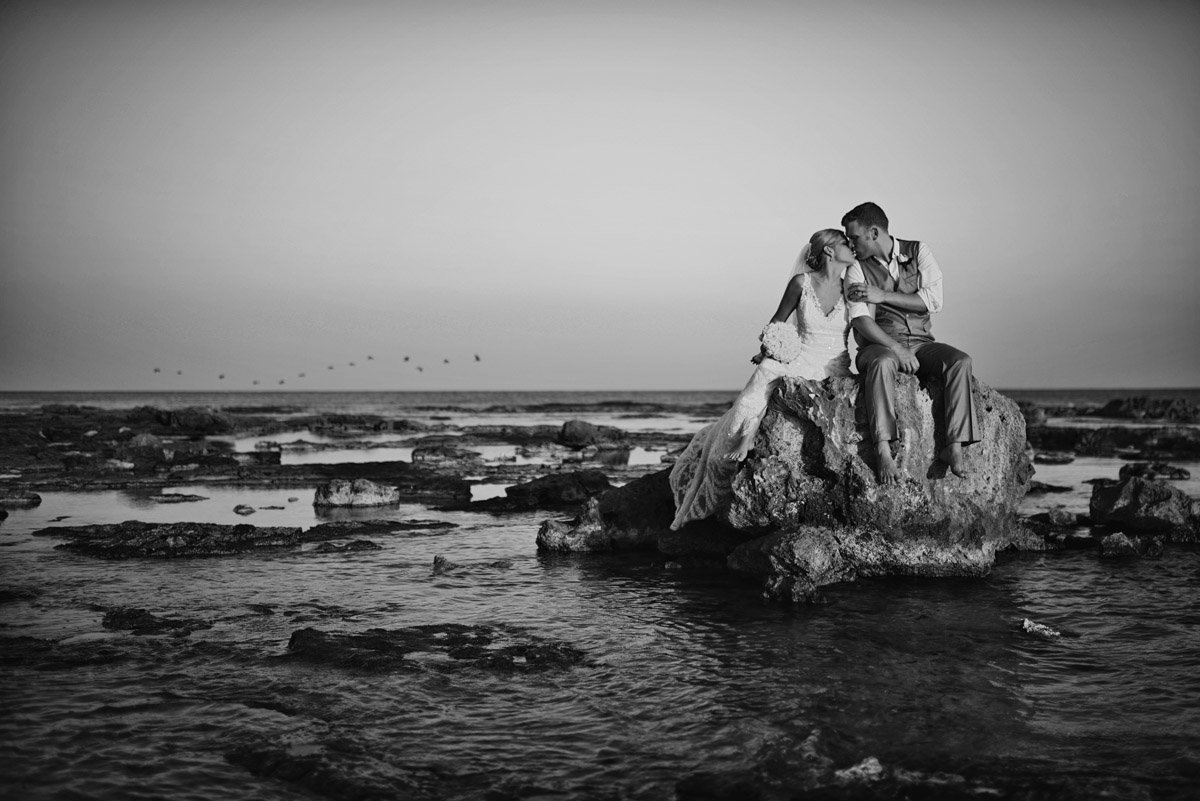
x: 685, y: 671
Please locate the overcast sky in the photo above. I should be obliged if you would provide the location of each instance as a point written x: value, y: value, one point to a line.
x: 589, y: 195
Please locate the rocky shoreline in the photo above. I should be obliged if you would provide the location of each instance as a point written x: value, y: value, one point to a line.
x: 582, y: 468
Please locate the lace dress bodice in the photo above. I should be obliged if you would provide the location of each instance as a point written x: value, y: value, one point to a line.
x: 823, y: 336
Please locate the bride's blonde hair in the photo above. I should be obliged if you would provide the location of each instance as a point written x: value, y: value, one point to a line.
x: 817, y: 244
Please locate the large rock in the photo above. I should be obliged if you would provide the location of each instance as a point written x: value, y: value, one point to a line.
x: 580, y: 434
x: 807, y: 509
x: 359, y: 492
x: 815, y: 467
x: 1145, y: 507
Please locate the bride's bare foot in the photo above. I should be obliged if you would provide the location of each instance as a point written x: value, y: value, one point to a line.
x: 886, y: 471
x: 740, y: 451
x: 952, y: 455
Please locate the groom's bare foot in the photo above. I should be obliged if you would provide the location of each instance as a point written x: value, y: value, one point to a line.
x: 952, y: 455
x: 886, y: 471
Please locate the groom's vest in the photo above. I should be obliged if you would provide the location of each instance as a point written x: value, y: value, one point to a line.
x: 903, y: 326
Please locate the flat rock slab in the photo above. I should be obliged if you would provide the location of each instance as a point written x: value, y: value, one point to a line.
x: 134, y: 538
x: 445, y: 646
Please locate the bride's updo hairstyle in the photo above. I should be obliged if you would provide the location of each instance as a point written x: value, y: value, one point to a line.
x: 826, y: 237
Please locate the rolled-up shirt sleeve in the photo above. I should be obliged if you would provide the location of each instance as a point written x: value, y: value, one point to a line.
x: 930, y: 290
x: 854, y: 275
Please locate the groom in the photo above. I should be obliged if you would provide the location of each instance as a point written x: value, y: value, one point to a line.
x: 891, y: 291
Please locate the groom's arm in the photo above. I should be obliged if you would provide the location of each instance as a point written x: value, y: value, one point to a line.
x: 928, y: 298
x: 862, y: 317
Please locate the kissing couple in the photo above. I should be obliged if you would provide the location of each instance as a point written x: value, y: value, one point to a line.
x: 862, y: 278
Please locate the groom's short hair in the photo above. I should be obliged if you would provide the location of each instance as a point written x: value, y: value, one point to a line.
x: 866, y: 215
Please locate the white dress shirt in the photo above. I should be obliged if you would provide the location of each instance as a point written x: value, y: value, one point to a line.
x: 930, y: 289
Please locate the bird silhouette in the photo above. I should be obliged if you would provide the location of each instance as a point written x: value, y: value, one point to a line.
x: 159, y: 369
x: 301, y: 375
x: 330, y: 367
x: 351, y: 364
x: 255, y: 382
x: 370, y: 358
x: 477, y: 358
x: 420, y: 369
x: 445, y: 361
x: 178, y: 372
x: 405, y: 359
x: 281, y: 381
x: 221, y: 376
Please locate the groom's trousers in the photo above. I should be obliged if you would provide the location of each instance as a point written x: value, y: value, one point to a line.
x: 878, y: 367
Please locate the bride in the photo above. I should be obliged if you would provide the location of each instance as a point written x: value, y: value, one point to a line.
x: 700, y: 479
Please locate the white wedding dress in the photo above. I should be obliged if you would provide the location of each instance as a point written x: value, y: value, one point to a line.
x: 701, y: 477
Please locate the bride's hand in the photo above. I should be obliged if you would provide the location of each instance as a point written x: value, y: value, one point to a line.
x: 757, y: 358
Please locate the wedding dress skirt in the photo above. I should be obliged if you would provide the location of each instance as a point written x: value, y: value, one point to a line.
x: 701, y: 477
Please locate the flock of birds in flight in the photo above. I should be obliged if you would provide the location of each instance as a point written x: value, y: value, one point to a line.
x: 256, y: 382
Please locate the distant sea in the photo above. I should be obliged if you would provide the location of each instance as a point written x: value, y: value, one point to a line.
x: 385, y: 402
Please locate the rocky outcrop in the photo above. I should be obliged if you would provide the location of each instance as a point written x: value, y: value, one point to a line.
x: 19, y: 499
x: 1118, y: 545
x: 359, y: 492
x: 1161, y: 442
x: 1139, y: 506
x: 806, y: 509
x: 1177, y: 410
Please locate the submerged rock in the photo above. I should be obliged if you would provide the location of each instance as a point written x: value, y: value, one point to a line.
x: 349, y: 547
x: 359, y: 492
x: 177, y: 497
x: 243, y: 509
x: 1150, y: 507
x: 139, y: 621
x: 444, y: 646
